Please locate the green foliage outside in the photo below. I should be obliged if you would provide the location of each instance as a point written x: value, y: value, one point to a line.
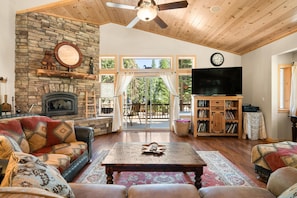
x: 107, y: 63
x: 157, y: 91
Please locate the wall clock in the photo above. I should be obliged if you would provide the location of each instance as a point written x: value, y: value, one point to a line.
x: 217, y: 59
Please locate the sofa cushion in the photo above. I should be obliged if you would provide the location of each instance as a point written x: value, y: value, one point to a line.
x: 21, y: 192
x: 234, y: 191
x: 290, y: 192
x: 72, y: 149
x: 25, y: 170
x: 14, y: 129
x: 7, y: 146
x: 35, y: 130
x: 163, y: 191
x: 59, y: 161
x: 60, y: 132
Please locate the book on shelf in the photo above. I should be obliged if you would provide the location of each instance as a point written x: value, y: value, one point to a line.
x: 202, y: 103
x: 202, y: 113
x: 231, y: 128
x: 202, y: 127
x: 229, y: 115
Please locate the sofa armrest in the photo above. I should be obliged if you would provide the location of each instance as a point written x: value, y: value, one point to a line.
x: 85, y: 134
x: 281, y: 179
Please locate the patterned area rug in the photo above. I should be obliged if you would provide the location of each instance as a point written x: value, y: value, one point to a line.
x: 218, y: 172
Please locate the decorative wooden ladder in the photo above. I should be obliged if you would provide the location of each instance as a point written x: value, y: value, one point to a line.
x: 91, y: 110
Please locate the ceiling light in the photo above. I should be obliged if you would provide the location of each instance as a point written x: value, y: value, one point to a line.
x: 147, y: 12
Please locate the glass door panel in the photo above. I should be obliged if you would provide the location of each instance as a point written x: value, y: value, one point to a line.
x: 146, y: 104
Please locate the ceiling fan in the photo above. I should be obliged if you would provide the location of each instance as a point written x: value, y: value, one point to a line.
x: 147, y: 10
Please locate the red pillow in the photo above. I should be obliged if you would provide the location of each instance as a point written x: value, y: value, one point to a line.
x: 13, y: 128
x: 31, y: 122
x: 35, y: 131
x: 60, y: 132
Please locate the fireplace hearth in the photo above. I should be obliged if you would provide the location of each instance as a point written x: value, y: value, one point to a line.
x: 59, y: 104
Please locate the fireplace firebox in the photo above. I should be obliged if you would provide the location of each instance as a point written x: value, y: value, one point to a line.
x: 59, y: 104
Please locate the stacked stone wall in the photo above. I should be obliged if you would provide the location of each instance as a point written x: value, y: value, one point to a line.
x: 37, y: 33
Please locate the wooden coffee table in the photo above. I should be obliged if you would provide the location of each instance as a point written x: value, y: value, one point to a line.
x: 178, y: 157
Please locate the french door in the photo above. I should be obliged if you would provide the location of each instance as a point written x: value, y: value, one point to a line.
x: 146, y: 104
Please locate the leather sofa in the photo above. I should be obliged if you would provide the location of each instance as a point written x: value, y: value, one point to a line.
x: 281, y: 181
x: 30, y: 131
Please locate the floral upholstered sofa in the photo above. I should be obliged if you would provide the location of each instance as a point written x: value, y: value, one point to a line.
x: 57, y: 143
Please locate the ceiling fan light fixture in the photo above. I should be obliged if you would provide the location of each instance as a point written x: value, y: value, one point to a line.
x: 147, y: 13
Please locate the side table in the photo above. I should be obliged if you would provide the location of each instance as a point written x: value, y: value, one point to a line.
x: 254, y: 125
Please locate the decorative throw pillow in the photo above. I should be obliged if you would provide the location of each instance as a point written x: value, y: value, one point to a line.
x: 13, y: 128
x: 290, y: 192
x: 20, y: 192
x: 59, y: 161
x: 25, y: 170
x: 7, y: 146
x: 35, y: 130
x: 60, y: 132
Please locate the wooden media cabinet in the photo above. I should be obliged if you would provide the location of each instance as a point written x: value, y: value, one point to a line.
x: 217, y: 115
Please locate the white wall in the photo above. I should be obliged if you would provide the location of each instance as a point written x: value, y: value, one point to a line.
x: 119, y: 40
x: 8, y: 10
x: 7, y: 47
x: 260, y: 84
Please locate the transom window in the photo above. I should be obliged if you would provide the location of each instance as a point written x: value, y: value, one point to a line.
x: 146, y: 63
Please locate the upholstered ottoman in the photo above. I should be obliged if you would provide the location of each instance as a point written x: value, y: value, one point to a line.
x: 270, y: 157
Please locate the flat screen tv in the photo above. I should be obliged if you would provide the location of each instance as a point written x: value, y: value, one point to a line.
x: 214, y: 81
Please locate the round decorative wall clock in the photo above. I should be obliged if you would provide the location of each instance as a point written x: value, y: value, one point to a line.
x: 68, y: 55
x: 217, y: 59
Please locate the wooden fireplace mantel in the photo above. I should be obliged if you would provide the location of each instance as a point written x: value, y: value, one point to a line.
x: 65, y: 74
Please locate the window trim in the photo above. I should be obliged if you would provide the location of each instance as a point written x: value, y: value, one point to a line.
x: 286, y: 107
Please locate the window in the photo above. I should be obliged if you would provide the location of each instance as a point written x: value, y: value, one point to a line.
x: 107, y: 71
x: 108, y: 68
x: 107, y: 62
x: 185, y: 91
x: 184, y: 71
x: 106, y: 94
x: 186, y: 62
x: 146, y: 62
x: 284, y: 86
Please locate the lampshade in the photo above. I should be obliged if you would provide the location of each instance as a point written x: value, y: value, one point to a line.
x: 147, y: 13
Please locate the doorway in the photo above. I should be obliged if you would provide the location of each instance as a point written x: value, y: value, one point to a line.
x: 146, y: 105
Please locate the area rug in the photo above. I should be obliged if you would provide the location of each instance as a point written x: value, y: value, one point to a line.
x: 218, y: 172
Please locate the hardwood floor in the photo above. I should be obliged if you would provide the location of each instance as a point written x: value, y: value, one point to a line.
x: 237, y: 151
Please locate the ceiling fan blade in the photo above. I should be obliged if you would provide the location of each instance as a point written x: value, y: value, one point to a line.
x: 133, y: 22
x: 173, y: 5
x: 160, y: 22
x: 117, y: 5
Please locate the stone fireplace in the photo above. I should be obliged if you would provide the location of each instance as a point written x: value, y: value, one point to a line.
x: 37, y: 33
x: 59, y: 104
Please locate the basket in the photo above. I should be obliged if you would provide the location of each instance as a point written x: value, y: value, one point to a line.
x: 181, y: 127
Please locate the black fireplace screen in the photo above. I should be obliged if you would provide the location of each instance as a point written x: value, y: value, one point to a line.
x: 59, y: 103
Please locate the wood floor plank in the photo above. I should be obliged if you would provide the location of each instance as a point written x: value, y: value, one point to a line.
x: 238, y: 151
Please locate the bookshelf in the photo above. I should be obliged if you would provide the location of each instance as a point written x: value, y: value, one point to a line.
x: 217, y: 115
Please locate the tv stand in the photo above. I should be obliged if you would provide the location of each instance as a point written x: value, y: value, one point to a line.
x: 217, y: 115
x: 231, y: 94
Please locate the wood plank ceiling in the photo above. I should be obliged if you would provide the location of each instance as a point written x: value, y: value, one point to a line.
x: 236, y: 26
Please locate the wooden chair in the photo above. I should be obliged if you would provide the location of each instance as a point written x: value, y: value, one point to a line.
x: 134, y: 111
